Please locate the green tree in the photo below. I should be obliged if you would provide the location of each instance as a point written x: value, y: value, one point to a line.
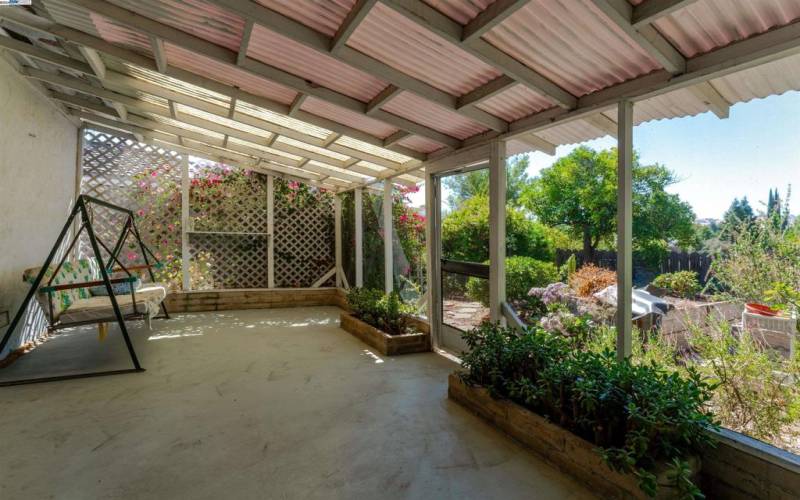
x: 465, y: 186
x: 465, y: 233
x: 738, y: 214
x: 579, y: 192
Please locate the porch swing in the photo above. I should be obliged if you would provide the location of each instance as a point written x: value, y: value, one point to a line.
x: 84, y: 292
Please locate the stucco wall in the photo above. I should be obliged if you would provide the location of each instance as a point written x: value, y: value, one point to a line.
x: 37, y: 187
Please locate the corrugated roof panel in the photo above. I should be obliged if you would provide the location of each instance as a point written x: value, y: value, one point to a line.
x: 185, y: 126
x: 181, y: 109
x: 517, y: 102
x: 372, y: 166
x: 297, y: 59
x: 197, y: 17
x: 291, y: 158
x: 571, y: 132
x: 419, y: 110
x: 168, y: 83
x: 769, y: 79
x: 707, y: 24
x: 282, y: 120
x: 675, y: 104
x: 462, y: 11
x: 346, y: 117
x: 373, y: 150
x: 227, y: 74
x: 403, y: 44
x: 345, y: 172
x: 421, y: 144
x: 120, y: 35
x: 572, y: 43
x: 71, y: 15
x: 333, y: 155
x: 323, y: 16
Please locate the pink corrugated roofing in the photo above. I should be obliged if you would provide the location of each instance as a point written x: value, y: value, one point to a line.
x: 517, y: 102
x: 421, y: 144
x: 405, y: 45
x: 197, y: 17
x: 293, y: 57
x: 248, y: 82
x: 120, y: 35
x: 571, y: 133
x: 417, y: 109
x: 770, y: 79
x: 707, y: 24
x: 347, y: 117
x: 572, y: 43
x: 323, y: 16
x: 462, y: 11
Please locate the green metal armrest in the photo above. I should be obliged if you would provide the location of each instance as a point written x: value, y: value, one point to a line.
x: 87, y: 284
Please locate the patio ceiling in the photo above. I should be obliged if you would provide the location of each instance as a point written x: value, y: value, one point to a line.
x: 349, y: 93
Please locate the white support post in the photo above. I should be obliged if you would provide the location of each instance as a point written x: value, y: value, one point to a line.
x: 497, y: 230
x: 337, y: 230
x: 270, y: 231
x: 388, y: 250
x: 187, y: 282
x: 624, y: 228
x: 359, y: 226
x: 432, y: 227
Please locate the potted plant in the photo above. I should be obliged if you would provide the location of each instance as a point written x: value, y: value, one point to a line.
x: 627, y: 430
x: 383, y: 321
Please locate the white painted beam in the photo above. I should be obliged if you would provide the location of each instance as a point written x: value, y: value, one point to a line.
x: 538, y: 143
x: 624, y: 229
x: 357, y: 14
x: 603, y: 123
x: 359, y: 230
x: 396, y: 137
x: 157, y: 45
x: 490, y: 17
x: 383, y: 97
x: 337, y: 230
x: 497, y: 230
x: 270, y: 231
x: 706, y: 93
x: 295, y: 106
x: 185, y: 224
x: 94, y: 60
x: 651, y: 10
x: 388, y: 238
x: 486, y: 91
x: 241, y: 55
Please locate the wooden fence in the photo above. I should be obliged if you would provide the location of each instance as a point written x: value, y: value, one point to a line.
x: 674, y: 261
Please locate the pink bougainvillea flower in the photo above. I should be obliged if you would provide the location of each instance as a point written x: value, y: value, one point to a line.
x: 170, y: 227
x: 132, y: 256
x: 403, y: 218
x: 140, y: 213
x: 153, y: 174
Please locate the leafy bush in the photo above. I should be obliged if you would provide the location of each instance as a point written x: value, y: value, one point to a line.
x: 590, y: 279
x: 681, y: 284
x: 465, y: 233
x: 640, y: 415
x: 386, y: 312
x: 568, y: 268
x: 522, y: 274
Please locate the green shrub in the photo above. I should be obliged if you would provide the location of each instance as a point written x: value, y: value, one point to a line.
x: 639, y: 415
x: 386, y: 312
x: 522, y: 274
x: 681, y: 284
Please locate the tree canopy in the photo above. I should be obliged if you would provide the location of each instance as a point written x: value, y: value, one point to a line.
x: 578, y: 193
x: 476, y: 183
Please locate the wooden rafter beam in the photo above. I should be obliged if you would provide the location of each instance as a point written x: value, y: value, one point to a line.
x: 295, y: 106
x: 241, y: 55
x: 490, y: 17
x: 160, y: 53
x: 226, y: 56
x: 350, y: 23
x: 651, y: 10
x: 383, y: 97
x: 14, y: 17
x: 486, y: 91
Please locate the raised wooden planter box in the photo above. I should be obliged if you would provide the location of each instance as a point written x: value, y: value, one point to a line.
x: 388, y: 345
x: 570, y: 453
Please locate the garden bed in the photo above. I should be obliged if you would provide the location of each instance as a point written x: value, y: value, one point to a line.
x: 389, y: 345
x: 558, y: 446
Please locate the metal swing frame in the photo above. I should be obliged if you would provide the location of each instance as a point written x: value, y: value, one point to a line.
x: 82, y: 209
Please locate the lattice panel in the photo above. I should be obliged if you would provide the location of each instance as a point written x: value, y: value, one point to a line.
x: 304, y: 243
x: 233, y: 261
x: 139, y: 177
x: 226, y: 202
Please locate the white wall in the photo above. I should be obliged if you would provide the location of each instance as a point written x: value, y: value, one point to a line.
x: 37, y: 187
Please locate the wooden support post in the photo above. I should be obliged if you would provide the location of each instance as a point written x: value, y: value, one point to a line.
x: 185, y: 222
x: 433, y: 240
x: 497, y: 230
x: 337, y: 230
x: 270, y: 231
x: 388, y: 250
x: 359, y: 226
x: 624, y: 228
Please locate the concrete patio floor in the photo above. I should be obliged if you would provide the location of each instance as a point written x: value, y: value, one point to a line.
x: 252, y: 404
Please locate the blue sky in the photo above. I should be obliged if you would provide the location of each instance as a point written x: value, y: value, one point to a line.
x: 755, y: 149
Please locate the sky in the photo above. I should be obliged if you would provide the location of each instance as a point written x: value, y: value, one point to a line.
x: 757, y: 148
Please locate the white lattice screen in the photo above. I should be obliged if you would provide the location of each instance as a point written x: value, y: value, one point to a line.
x: 113, y: 170
x: 227, y: 238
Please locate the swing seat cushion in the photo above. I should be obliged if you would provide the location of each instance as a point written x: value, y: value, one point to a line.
x: 148, y: 299
x: 80, y: 271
